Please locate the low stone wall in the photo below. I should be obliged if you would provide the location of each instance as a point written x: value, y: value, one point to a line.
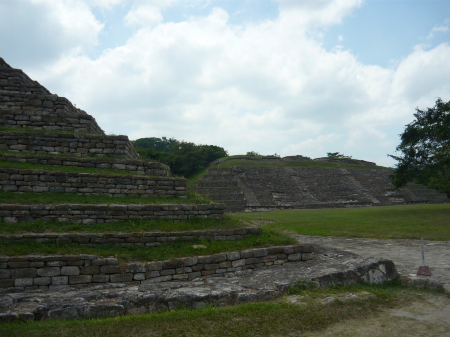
x: 149, y: 239
x: 38, y: 181
x: 79, y: 271
x: 85, y: 214
x: 134, y: 166
x: 81, y: 145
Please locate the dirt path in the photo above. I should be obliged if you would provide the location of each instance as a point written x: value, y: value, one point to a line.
x: 428, y: 316
x: 406, y: 254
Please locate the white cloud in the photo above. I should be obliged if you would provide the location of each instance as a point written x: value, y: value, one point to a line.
x: 40, y: 31
x: 311, y: 147
x: 317, y: 13
x: 437, y: 29
x: 268, y: 86
x: 144, y: 15
x: 424, y: 73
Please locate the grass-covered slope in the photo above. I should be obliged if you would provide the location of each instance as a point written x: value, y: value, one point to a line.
x: 271, y: 161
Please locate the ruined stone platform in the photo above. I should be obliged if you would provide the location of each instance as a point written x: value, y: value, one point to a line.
x: 234, y: 288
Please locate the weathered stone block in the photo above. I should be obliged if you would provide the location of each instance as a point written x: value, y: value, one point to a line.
x: 49, y: 271
x: 23, y: 282
x: 126, y: 277
x: 77, y: 279
x: 69, y: 271
x: 238, y: 263
x: 91, y: 270
x: 100, y: 278
x: 60, y: 280
x: 42, y: 281
x: 295, y: 257
x: 110, y: 269
x: 23, y: 272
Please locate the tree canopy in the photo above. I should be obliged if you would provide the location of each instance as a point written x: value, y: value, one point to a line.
x: 338, y: 155
x: 425, y: 149
x: 183, y: 158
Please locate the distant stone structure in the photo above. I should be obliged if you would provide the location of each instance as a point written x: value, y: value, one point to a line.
x: 297, y: 157
x: 248, y: 188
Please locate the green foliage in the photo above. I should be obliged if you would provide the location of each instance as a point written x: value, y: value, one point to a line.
x: 184, y: 158
x: 156, y: 144
x: 337, y: 155
x: 252, y: 153
x: 425, y: 148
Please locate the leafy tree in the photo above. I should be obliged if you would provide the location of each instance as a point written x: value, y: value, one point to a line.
x: 252, y: 153
x: 425, y: 147
x: 183, y: 158
x: 337, y: 155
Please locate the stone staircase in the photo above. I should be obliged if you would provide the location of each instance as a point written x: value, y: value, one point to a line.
x: 268, y: 188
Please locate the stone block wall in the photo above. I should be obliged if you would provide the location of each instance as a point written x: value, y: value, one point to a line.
x: 79, y: 271
x: 147, y: 239
x: 92, y: 213
x: 38, y: 181
x: 57, y: 118
x: 25, y: 103
x: 81, y: 145
x: 270, y: 188
x: 133, y: 166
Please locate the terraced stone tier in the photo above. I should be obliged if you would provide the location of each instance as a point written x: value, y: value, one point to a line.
x: 81, y: 145
x: 270, y: 188
x: 100, y: 213
x: 39, y: 181
x: 134, y: 166
x: 25, y: 103
x: 79, y: 271
x: 148, y: 239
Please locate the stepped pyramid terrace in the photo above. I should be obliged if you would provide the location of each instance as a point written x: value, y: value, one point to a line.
x: 87, y: 229
x: 40, y: 128
x: 263, y: 184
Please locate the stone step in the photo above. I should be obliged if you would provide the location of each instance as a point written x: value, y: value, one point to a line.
x: 148, y: 239
x: 40, y: 181
x: 131, y: 165
x: 101, y: 213
x: 81, y: 145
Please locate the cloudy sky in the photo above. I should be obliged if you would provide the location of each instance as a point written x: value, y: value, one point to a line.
x: 273, y: 76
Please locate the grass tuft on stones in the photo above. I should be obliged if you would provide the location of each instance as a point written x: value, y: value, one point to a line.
x: 50, y: 198
x: 176, y: 249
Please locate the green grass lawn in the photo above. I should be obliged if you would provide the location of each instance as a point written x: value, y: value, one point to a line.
x: 389, y: 222
x: 249, y: 320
